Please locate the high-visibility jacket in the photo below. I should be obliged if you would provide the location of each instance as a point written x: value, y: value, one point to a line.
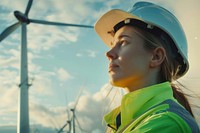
x: 151, y: 110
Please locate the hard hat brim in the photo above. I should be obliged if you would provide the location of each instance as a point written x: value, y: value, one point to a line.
x: 106, y: 23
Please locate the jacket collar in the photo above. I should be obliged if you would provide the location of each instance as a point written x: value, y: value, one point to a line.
x: 137, y: 102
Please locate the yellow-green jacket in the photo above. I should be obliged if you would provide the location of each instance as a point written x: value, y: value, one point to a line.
x: 151, y: 110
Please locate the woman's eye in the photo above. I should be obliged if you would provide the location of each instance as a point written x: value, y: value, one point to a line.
x: 123, y: 42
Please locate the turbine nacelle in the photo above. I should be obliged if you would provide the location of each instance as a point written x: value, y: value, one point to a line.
x: 21, y: 17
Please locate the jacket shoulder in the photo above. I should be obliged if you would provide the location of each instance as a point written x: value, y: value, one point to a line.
x: 174, y: 118
x: 164, y: 122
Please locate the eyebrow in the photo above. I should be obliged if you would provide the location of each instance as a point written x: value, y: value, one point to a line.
x: 120, y: 37
x: 123, y: 35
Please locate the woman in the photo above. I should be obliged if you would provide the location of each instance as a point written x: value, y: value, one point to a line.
x: 148, y: 52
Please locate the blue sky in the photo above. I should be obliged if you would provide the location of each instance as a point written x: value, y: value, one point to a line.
x: 64, y: 59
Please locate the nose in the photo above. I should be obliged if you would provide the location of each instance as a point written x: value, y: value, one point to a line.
x: 111, y: 54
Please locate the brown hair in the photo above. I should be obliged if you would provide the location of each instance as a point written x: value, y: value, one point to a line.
x: 170, y: 68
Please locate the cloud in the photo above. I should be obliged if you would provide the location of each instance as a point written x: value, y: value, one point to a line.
x: 89, y: 110
x: 63, y: 75
x: 45, y: 116
x: 92, y: 107
x: 91, y: 53
x: 43, y: 37
x: 87, y: 53
x: 9, y: 97
x: 8, y: 78
x: 10, y: 58
x: 9, y: 93
x: 18, y: 5
x: 79, y: 55
x: 42, y: 83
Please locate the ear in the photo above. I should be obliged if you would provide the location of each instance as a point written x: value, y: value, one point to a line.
x: 158, y: 56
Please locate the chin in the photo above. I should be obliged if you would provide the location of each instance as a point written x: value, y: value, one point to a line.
x: 115, y: 83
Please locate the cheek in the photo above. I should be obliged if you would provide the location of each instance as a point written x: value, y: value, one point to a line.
x: 134, y: 61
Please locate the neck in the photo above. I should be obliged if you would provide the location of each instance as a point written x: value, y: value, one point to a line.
x: 142, y: 83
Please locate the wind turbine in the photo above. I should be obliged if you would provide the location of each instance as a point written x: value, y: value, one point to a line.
x: 62, y: 128
x: 73, y: 111
x: 24, y: 20
x: 74, y: 118
x: 67, y: 123
x: 71, y: 122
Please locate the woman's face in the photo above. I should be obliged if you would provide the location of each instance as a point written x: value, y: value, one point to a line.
x: 129, y: 61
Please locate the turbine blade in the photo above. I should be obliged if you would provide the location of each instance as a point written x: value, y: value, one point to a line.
x: 77, y: 100
x: 28, y: 7
x: 9, y: 30
x: 58, y: 23
x: 61, y: 129
x: 79, y: 125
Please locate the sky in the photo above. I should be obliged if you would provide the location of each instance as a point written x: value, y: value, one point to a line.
x: 64, y: 60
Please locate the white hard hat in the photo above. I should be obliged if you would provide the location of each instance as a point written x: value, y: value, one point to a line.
x: 150, y: 17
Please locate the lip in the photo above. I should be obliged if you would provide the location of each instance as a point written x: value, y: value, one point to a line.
x: 112, y: 67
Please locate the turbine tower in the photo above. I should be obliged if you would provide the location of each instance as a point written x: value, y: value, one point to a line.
x: 23, y: 21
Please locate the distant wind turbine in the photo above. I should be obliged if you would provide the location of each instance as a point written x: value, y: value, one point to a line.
x: 24, y: 20
x: 73, y: 111
x: 71, y: 122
